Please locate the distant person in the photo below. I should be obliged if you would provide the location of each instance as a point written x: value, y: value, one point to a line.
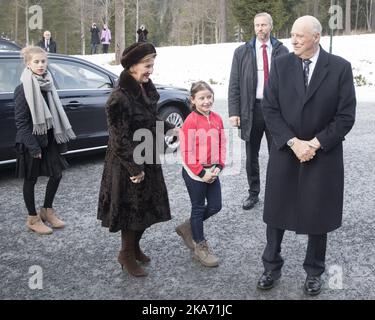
x: 133, y: 195
x: 105, y: 38
x: 203, y: 153
x: 309, y: 108
x: 249, y: 76
x: 47, y: 43
x: 95, y: 38
x: 142, y: 34
x: 43, y: 130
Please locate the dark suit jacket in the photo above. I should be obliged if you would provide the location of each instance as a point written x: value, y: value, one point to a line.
x: 243, y: 82
x: 308, y: 197
x: 52, y: 45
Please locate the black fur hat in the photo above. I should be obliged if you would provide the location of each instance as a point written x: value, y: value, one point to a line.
x: 135, y: 53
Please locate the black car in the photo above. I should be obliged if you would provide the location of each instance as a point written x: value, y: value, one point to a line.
x: 6, y: 44
x: 83, y: 88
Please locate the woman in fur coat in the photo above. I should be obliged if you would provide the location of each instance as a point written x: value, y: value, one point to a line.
x: 133, y: 195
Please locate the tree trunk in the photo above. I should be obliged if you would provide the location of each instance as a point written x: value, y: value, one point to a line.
x: 372, y: 15
x: 82, y: 21
x: 356, y: 16
x: 16, y: 22
x: 119, y: 29
x: 27, y: 22
x: 203, y: 32
x: 223, y: 21
x: 348, y: 15
x: 368, y: 14
x: 137, y: 21
x: 316, y: 8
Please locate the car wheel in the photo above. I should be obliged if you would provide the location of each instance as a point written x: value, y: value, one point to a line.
x: 174, y: 116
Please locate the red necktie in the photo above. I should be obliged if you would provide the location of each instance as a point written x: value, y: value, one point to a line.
x: 265, y: 64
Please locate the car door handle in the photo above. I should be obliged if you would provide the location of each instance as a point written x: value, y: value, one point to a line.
x: 73, y: 104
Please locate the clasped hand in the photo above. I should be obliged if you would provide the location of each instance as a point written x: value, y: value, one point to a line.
x: 305, y: 150
x: 139, y: 178
x: 211, y: 175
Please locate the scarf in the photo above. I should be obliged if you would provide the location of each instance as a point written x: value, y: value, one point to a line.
x: 43, y: 117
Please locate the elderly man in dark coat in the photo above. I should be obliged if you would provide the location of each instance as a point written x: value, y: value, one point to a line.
x: 133, y: 195
x: 309, y: 107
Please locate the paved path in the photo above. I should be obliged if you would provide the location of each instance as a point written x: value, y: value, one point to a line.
x: 80, y: 261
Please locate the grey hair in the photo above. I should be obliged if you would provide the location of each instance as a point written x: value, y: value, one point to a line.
x: 315, y: 24
x: 265, y: 14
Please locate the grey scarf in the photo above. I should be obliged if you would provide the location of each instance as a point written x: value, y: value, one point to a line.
x: 43, y: 117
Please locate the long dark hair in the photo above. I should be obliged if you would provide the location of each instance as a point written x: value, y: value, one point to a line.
x: 196, y: 87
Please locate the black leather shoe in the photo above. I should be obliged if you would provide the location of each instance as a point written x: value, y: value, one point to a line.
x: 249, y: 203
x: 313, y: 285
x: 267, y: 280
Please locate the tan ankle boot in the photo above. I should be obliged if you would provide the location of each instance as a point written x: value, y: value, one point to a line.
x: 204, y: 255
x: 49, y: 215
x: 34, y: 223
x: 184, y: 231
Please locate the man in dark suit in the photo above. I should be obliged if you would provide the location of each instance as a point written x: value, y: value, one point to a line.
x: 47, y: 43
x: 249, y: 75
x: 309, y: 107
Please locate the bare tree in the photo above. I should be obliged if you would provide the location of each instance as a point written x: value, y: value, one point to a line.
x: 16, y: 21
x: 356, y: 16
x: 348, y: 16
x: 223, y: 21
x: 119, y: 28
x: 368, y: 9
x: 316, y: 8
x: 82, y: 21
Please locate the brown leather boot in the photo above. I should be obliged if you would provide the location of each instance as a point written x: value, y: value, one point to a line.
x: 184, y: 231
x: 49, y: 215
x: 126, y: 256
x: 139, y: 255
x: 34, y: 223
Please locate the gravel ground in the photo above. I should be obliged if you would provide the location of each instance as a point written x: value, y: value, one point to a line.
x: 79, y: 262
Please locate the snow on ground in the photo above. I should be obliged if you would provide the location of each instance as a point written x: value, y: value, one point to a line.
x: 181, y: 65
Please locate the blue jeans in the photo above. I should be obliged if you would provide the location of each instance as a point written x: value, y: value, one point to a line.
x: 200, y: 211
x: 93, y: 48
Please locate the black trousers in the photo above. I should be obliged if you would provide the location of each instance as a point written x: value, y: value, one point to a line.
x: 314, y: 263
x: 29, y: 193
x: 252, y: 149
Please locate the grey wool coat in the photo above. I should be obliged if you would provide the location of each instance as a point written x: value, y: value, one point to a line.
x: 243, y: 82
x: 307, y: 197
x: 124, y: 205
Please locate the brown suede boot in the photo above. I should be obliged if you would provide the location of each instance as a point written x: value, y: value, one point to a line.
x: 139, y: 255
x: 184, y: 231
x: 126, y: 256
x: 49, y: 215
x: 34, y: 223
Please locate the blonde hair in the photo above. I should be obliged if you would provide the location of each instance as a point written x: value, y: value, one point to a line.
x: 148, y: 57
x: 28, y: 52
x: 267, y: 15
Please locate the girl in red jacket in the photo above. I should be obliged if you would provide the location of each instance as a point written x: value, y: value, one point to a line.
x: 203, y: 156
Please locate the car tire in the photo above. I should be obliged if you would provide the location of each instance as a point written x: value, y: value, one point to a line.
x: 174, y: 116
